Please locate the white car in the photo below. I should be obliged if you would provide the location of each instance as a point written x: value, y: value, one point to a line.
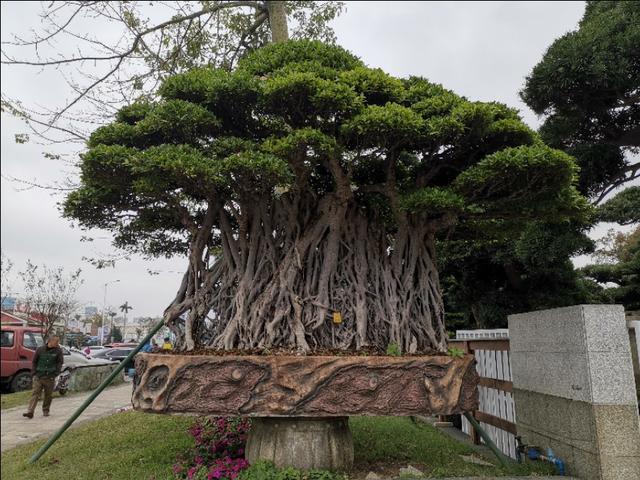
x: 94, y: 349
x: 76, y: 359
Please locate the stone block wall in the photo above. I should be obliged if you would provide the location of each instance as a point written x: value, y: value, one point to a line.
x: 89, y: 377
x: 574, y: 389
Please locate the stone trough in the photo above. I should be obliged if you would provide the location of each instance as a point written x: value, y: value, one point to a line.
x: 301, y: 403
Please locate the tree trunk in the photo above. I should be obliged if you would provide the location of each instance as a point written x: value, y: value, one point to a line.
x: 293, y: 263
x: 278, y: 21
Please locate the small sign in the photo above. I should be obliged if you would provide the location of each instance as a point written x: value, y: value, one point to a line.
x: 337, y: 317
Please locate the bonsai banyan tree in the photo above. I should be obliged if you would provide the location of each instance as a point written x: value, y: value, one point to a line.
x: 304, y: 184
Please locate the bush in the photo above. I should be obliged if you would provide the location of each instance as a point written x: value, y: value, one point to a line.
x: 263, y: 470
x: 218, y: 452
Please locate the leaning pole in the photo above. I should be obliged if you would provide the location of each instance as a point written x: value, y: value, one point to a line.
x: 94, y: 395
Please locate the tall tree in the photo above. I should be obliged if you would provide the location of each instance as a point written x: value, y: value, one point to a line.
x: 50, y: 293
x: 587, y: 87
x: 304, y: 184
x: 154, y: 41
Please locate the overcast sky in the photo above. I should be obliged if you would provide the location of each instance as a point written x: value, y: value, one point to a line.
x: 482, y: 50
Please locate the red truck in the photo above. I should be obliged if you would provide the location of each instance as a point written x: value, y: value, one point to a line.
x: 17, y: 347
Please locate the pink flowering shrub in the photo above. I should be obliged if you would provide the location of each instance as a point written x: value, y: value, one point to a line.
x: 218, y: 452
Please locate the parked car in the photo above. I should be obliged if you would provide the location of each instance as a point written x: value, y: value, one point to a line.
x: 18, y: 345
x: 118, y: 354
x: 76, y: 359
x: 93, y: 349
x: 120, y: 345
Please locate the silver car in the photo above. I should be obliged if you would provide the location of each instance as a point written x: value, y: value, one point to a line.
x: 73, y: 359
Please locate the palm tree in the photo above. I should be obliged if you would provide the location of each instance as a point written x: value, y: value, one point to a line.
x: 125, y: 307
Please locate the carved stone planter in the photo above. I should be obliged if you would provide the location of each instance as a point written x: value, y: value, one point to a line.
x: 313, y: 393
x: 304, y: 386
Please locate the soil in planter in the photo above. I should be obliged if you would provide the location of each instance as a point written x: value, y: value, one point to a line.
x: 321, y: 352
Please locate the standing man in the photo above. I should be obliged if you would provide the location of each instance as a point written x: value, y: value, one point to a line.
x: 47, y: 364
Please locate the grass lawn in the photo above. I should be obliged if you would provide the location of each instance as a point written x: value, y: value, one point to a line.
x: 143, y: 447
x: 384, y: 444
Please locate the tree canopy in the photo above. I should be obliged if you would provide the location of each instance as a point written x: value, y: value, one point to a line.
x: 619, y: 268
x: 304, y: 182
x: 588, y: 88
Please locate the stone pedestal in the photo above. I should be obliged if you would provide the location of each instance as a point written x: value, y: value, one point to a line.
x: 574, y: 389
x: 303, y: 443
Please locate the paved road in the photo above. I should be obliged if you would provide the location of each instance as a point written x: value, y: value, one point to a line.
x: 17, y: 430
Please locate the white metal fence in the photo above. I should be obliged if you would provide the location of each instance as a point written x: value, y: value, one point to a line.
x: 497, y: 411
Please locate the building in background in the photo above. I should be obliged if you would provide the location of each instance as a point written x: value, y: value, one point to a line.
x: 9, y: 304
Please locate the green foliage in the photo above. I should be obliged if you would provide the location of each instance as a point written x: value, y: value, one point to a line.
x: 116, y: 335
x: 624, y: 208
x: 377, y: 87
x: 619, y: 271
x: 393, y: 350
x: 280, y: 119
x: 491, y: 271
x: 587, y: 86
x: 433, y: 200
x: 265, y: 470
x: 276, y: 56
x: 391, y: 125
x: 519, y: 174
x: 455, y: 352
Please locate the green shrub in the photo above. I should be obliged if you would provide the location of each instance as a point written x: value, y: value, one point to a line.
x: 264, y: 470
x: 393, y: 350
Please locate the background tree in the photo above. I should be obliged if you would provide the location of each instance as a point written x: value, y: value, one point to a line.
x: 303, y: 183
x: 6, y: 265
x: 618, y: 254
x: 116, y: 334
x: 112, y: 317
x: 586, y: 88
x: 623, y: 209
x: 619, y: 268
x: 50, y: 294
x: 124, y: 308
x: 154, y: 41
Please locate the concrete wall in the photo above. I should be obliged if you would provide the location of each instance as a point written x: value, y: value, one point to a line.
x: 574, y: 389
x: 89, y: 377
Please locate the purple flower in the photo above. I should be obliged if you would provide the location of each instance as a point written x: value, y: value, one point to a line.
x: 191, y: 472
x: 216, y: 473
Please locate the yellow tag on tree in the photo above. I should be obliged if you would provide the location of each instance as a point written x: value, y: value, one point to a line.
x: 337, y: 317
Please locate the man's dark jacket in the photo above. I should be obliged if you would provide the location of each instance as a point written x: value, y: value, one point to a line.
x: 47, y: 362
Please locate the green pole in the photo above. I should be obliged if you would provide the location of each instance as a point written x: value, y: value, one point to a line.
x: 93, y: 396
x: 502, y: 458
